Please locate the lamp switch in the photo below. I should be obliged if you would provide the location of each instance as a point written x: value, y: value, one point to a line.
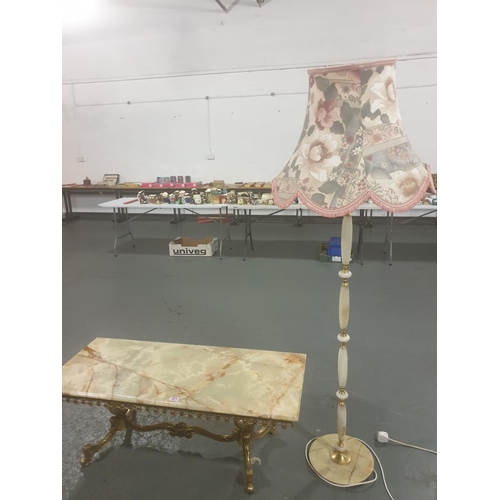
x: 211, y: 157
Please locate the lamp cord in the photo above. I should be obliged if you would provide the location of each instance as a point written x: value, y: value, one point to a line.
x: 412, y: 446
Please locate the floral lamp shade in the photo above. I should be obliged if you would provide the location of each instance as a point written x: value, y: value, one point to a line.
x: 353, y: 146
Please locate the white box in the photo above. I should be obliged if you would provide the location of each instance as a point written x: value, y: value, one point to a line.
x: 184, y: 246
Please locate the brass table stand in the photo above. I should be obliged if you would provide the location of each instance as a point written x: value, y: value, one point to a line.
x: 124, y: 419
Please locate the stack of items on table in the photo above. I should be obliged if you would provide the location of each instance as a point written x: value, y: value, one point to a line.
x: 217, y: 193
x: 211, y: 196
x: 233, y: 197
x: 178, y: 197
x: 171, y: 182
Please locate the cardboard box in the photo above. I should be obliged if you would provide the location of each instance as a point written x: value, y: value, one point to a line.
x: 185, y: 246
x: 192, y: 184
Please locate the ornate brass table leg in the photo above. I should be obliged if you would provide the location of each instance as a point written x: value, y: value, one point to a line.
x: 131, y: 416
x: 268, y: 428
x: 124, y: 419
x: 117, y: 424
x: 245, y: 437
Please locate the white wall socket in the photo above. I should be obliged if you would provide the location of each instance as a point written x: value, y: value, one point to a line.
x: 81, y: 159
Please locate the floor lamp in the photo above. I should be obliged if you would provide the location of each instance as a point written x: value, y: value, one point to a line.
x: 352, y: 149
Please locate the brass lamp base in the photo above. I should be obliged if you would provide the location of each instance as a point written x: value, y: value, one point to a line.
x: 349, y: 467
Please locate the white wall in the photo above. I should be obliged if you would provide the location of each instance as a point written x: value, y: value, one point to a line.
x: 166, y: 56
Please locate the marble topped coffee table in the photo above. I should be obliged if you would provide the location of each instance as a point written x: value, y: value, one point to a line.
x: 248, y: 387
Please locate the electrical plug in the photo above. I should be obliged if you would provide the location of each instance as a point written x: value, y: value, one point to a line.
x: 382, y: 437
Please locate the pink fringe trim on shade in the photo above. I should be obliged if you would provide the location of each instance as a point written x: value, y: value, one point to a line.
x: 368, y: 195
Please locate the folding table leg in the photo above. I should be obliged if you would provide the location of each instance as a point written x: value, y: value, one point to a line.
x: 115, y: 221
x: 221, y: 239
x: 390, y: 238
x: 66, y: 206
x: 248, y: 231
x: 70, y: 205
x: 250, y: 227
x: 117, y: 225
x: 361, y: 215
x: 227, y: 229
x: 177, y: 216
x: 386, y: 231
x: 361, y: 236
x: 128, y: 227
x: 298, y: 217
x: 246, y: 235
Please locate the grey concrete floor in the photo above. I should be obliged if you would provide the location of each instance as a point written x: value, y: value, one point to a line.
x: 282, y: 298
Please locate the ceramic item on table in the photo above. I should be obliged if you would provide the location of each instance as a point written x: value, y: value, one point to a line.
x: 255, y: 198
x: 141, y: 196
x: 243, y: 198
x: 231, y: 197
x: 427, y: 200
x: 267, y: 198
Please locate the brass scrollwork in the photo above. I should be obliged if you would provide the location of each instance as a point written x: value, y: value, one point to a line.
x: 124, y: 418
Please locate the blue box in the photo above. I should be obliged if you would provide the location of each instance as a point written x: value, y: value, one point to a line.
x: 333, y: 249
